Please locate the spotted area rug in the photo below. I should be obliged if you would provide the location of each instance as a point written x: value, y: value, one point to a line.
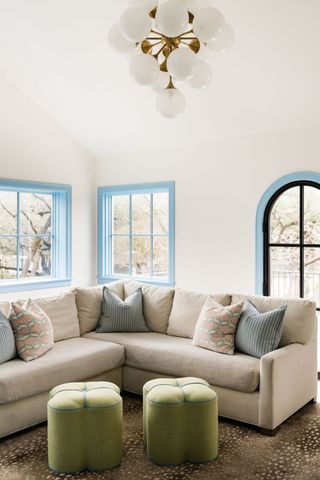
x: 244, y: 454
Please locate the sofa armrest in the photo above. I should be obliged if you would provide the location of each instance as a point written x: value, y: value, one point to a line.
x: 288, y: 380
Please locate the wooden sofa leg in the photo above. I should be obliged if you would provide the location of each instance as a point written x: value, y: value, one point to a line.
x: 269, y: 433
x: 313, y: 400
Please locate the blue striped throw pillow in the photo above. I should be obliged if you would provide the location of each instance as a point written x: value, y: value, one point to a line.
x: 122, y: 316
x: 259, y: 333
x: 7, y: 343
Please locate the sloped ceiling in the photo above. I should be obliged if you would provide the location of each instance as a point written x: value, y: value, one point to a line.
x: 56, y: 52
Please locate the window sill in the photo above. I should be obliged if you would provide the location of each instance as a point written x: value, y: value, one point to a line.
x: 33, y: 284
x: 149, y: 281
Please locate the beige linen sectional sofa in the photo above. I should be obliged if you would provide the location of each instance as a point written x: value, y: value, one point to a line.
x: 262, y: 392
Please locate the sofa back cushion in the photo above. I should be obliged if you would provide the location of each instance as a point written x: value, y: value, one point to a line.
x: 186, y: 309
x: 7, y: 340
x: 62, y: 311
x: 5, y: 308
x: 89, y: 304
x: 299, y: 320
x: 157, y: 304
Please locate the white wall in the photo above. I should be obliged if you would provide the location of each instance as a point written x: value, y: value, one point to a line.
x: 218, y: 187
x: 34, y: 147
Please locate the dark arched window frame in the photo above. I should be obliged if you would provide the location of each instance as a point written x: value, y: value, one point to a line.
x: 267, y: 244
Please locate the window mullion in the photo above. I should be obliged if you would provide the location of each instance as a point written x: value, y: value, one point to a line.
x: 266, y: 235
x: 18, y: 236
x: 54, y: 253
x: 301, y: 241
x: 130, y: 234
x: 151, y: 235
x: 110, y: 259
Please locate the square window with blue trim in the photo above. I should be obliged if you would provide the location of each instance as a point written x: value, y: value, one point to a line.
x: 136, y: 233
x: 35, y: 235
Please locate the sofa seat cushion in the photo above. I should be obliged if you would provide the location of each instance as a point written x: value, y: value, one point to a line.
x: 176, y: 356
x: 70, y: 360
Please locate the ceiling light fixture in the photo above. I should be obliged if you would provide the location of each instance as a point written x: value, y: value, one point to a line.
x: 169, y: 41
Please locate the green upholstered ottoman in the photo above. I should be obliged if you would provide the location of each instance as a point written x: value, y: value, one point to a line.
x: 180, y: 420
x: 84, y: 427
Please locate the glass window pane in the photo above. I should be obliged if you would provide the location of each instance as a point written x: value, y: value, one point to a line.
x: 8, y: 258
x: 312, y: 274
x: 8, y: 213
x: 141, y: 207
x: 120, y: 214
x: 120, y: 255
x: 35, y: 257
x: 141, y: 264
x: 311, y: 215
x: 285, y: 271
x: 284, y: 217
x: 160, y: 213
x: 35, y: 213
x: 160, y: 257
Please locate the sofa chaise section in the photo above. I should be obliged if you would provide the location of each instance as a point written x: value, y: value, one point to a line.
x: 24, y: 386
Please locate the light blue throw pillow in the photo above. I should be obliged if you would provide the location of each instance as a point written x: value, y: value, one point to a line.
x: 7, y: 342
x: 122, y: 316
x: 259, y: 333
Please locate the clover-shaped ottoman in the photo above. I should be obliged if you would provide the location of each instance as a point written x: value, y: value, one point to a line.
x: 84, y: 427
x: 180, y: 420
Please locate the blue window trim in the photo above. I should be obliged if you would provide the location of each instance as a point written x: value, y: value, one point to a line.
x: 281, y: 182
x: 62, y: 225
x: 104, y: 227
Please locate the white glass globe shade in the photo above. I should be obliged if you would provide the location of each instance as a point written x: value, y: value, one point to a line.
x: 190, y: 5
x: 181, y: 63
x: 135, y: 24
x: 170, y: 102
x: 205, y: 53
x: 161, y: 82
x: 118, y: 42
x: 194, y: 5
x: 223, y: 40
x: 207, y: 23
x: 137, y: 51
x: 144, y: 69
x: 202, y: 75
x: 172, y: 18
x: 147, y: 5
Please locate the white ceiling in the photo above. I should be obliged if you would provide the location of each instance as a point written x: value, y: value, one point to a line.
x: 56, y: 51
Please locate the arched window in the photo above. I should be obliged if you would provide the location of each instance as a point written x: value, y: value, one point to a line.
x: 291, y: 238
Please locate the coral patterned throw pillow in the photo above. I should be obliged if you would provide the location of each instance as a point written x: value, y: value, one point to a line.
x: 32, y: 330
x: 216, y: 326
